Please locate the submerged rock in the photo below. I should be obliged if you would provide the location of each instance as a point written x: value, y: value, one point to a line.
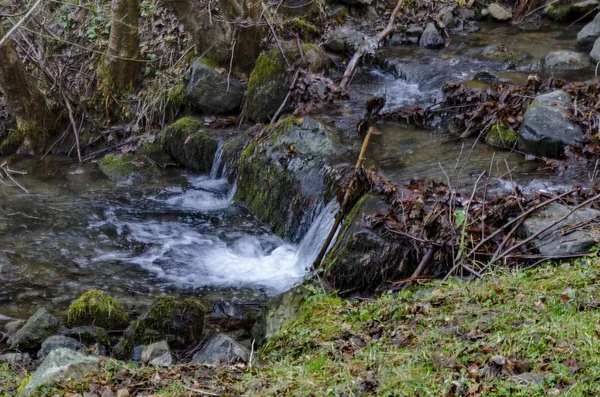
x: 97, y: 308
x: 223, y: 349
x: 61, y: 364
x: 57, y: 342
x: 128, y: 168
x: 282, y: 179
x: 566, y: 60
x: 590, y: 33
x: 552, y: 242
x: 546, y: 130
x: 431, y: 38
x: 499, y: 12
x: 37, y: 328
x: 190, y: 145
x: 213, y: 92
x: 277, y: 311
x: 176, y: 320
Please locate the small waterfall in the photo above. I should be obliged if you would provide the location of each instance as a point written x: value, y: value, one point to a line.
x: 214, y: 171
x: 315, y: 237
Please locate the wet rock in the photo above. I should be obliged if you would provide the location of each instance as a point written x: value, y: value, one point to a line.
x: 156, y: 153
x: 158, y: 354
x: 13, y: 326
x: 431, y: 38
x: 283, y: 188
x: 37, y: 328
x: 61, y: 364
x: 350, y: 38
x: 335, y: 43
x: 566, y: 60
x: 190, y: 145
x: 14, y: 358
x: 179, y: 321
x: 546, y: 130
x: 552, y: 242
x: 98, y: 309
x: 499, y: 12
x: 223, y: 349
x: 595, y: 53
x: 488, y: 77
x: 504, y: 54
x: 128, y: 168
x: 211, y: 91
x: 269, y: 81
x: 414, y: 31
x: 87, y: 334
x: 360, y: 258
x: 227, y: 309
x: 57, y: 342
x: 278, y: 310
x: 590, y: 33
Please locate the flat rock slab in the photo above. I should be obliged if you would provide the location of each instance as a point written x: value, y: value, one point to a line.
x: 557, y: 240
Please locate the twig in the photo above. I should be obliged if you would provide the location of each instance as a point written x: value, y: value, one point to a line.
x: 200, y: 391
x: 287, y: 96
x: 19, y: 23
x: 74, y: 125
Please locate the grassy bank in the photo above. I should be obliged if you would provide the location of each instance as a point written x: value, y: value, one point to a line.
x: 524, y: 333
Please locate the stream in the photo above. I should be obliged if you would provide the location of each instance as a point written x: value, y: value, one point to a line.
x: 182, y: 233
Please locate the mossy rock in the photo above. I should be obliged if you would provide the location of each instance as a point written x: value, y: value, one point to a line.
x: 190, y: 145
x: 98, y: 309
x: 501, y: 137
x: 177, y: 320
x: 128, y: 168
x: 270, y: 79
x: 154, y: 152
x: 501, y: 53
x: 12, y: 142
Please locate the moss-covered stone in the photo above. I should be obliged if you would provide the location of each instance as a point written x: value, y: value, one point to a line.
x: 96, y: 308
x: 176, y: 320
x: 558, y: 12
x: 12, y: 142
x: 128, y: 168
x: 504, y: 54
x: 302, y: 26
x: 501, y: 137
x: 155, y: 152
x: 190, y: 145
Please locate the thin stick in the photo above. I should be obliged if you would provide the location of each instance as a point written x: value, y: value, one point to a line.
x: 19, y: 23
x: 75, y: 130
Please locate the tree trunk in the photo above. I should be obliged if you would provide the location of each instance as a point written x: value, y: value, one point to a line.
x: 120, y: 63
x: 24, y: 99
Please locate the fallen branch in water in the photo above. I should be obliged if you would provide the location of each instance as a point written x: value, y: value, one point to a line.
x: 7, y: 172
x: 368, y: 46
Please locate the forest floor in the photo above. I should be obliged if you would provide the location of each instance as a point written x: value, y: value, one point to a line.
x: 518, y: 333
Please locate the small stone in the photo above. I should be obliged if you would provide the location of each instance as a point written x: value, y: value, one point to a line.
x: 566, y: 60
x: 498, y: 360
x: 414, y: 31
x: 431, y: 38
x: 14, y: 326
x: 166, y: 360
x: 499, y: 13
x: 58, y: 341
x: 123, y: 393
x: 221, y: 348
x: 155, y: 350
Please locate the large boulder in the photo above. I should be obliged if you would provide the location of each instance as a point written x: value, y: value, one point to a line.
x: 499, y: 12
x: 211, y: 91
x: 190, y: 145
x: 128, y: 168
x: 590, y: 33
x: 177, y: 320
x: 595, y: 53
x: 95, y: 308
x: 270, y: 79
x: 566, y: 60
x: 37, y: 328
x: 431, y: 38
x: 283, y: 179
x: 277, y: 311
x: 59, y: 342
x: 546, y: 130
x: 223, y: 349
x: 552, y: 241
x: 61, y: 364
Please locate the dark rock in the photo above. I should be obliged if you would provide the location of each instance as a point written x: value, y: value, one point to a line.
x: 223, y: 349
x: 334, y: 43
x: 58, y: 341
x: 488, y: 77
x: 414, y: 31
x: 190, y: 145
x: 278, y: 310
x: 37, y: 328
x: 213, y: 92
x: 566, y: 60
x: 590, y: 33
x: 546, y: 131
x: 431, y: 38
x: 227, y: 309
x: 499, y: 12
x: 136, y: 355
x: 179, y: 321
x: 61, y: 364
x: 551, y: 242
x: 87, y: 334
x: 128, y: 168
x: 595, y: 53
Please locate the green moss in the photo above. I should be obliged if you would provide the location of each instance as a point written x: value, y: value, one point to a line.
x: 208, y: 62
x: 155, y: 152
x: 558, y: 12
x: 176, y: 95
x: 282, y: 127
x: 189, y: 145
x: 13, y: 142
x: 302, y: 26
x: 268, y: 66
x: 24, y: 383
x: 128, y: 168
x: 500, y: 136
x: 96, y: 308
x: 337, y: 250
